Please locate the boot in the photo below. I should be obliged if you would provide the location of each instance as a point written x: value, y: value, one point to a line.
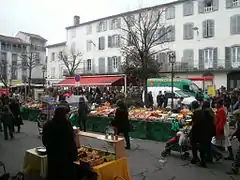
x: 230, y: 154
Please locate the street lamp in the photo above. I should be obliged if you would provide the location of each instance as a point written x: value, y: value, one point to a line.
x: 172, y: 60
x: 43, y: 71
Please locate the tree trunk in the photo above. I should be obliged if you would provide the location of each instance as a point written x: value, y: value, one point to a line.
x: 145, y: 91
x: 29, y: 81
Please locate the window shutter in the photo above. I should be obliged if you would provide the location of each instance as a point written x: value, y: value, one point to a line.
x: 109, y: 41
x: 98, y: 29
x: 191, y: 35
x: 233, y: 24
x: 238, y: 24
x: 111, y: 24
x: 229, y: 4
x: 119, y: 64
x: 201, y: 59
x: 173, y: 12
x: 105, y: 25
x: 171, y: 34
x: 211, y: 28
x: 101, y: 65
x: 92, y: 66
x: 228, y: 63
x: 215, y: 5
x: 118, y: 41
x: 185, y: 9
x: 110, y: 65
x: 200, y: 7
x: 215, y: 58
x: 185, y: 31
x: 119, y: 23
x: 204, y: 28
x: 99, y: 43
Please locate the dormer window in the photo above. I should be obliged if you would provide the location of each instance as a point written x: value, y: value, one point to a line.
x: 208, y: 5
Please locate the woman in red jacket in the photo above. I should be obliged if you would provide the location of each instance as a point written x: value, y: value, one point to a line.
x: 220, y: 120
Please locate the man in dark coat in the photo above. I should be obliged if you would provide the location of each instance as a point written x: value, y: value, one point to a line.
x: 82, y: 113
x: 7, y: 119
x: 59, y: 139
x: 15, y: 109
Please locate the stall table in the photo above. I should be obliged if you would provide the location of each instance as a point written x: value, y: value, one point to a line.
x: 36, y: 165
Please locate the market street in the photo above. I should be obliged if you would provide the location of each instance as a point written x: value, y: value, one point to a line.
x: 144, y: 156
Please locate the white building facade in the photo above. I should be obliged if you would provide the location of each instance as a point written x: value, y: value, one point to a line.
x: 12, y: 49
x: 206, y: 40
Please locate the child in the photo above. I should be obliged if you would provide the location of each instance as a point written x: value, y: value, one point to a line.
x: 7, y: 119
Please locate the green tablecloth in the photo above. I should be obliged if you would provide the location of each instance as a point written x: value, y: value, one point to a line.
x: 29, y: 114
x: 151, y: 130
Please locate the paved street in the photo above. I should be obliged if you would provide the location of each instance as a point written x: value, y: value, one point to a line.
x: 143, y: 157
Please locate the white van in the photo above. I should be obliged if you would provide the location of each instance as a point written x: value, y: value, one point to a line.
x: 178, y: 93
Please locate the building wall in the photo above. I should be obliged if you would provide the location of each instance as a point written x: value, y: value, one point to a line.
x: 54, y: 64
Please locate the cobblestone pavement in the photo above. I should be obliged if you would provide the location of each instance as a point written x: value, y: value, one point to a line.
x: 143, y: 159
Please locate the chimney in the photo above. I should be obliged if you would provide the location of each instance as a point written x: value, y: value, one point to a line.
x: 76, y: 20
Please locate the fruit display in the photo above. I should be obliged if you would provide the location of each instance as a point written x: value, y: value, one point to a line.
x: 33, y: 105
x: 148, y: 114
x: 92, y: 157
x: 103, y: 111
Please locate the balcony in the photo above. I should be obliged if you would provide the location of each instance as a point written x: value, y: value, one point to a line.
x: 236, y: 3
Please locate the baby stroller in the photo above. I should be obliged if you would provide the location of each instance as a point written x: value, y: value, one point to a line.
x: 41, y: 120
x: 179, y: 143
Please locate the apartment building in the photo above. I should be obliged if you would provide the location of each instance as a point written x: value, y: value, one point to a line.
x: 205, y: 39
x: 55, y: 67
x: 12, y: 50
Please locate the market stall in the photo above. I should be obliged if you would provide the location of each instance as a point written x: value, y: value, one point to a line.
x: 107, y: 165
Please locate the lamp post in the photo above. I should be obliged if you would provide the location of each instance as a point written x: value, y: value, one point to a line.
x: 172, y: 60
x: 43, y: 71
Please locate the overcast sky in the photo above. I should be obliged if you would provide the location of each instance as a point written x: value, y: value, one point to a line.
x: 49, y: 18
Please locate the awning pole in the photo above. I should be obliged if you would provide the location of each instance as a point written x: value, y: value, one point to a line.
x: 125, y: 85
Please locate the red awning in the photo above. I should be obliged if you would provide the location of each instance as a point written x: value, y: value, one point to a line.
x: 92, y: 81
x: 205, y: 78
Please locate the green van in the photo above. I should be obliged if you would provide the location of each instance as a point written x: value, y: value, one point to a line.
x: 187, y: 86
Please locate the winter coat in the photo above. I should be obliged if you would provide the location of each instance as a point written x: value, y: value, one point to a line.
x: 220, y: 120
x: 121, y: 121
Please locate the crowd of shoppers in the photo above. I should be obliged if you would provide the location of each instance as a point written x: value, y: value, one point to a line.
x: 9, y: 116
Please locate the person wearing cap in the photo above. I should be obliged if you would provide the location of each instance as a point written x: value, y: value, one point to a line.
x: 59, y: 139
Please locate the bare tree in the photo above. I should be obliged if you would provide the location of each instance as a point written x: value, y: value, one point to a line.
x: 145, y: 34
x: 71, y: 60
x: 5, y: 71
x: 30, y: 60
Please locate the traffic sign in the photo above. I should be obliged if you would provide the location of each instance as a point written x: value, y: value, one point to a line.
x: 77, y: 78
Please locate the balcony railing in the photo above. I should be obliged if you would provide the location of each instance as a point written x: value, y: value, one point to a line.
x: 208, y: 9
x: 236, y: 3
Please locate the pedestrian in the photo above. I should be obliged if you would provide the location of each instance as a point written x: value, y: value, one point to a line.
x: 15, y: 109
x: 165, y: 99
x: 236, y: 163
x: 121, y: 122
x: 208, y: 125
x: 82, y: 113
x: 59, y: 139
x: 7, y: 120
x: 160, y: 99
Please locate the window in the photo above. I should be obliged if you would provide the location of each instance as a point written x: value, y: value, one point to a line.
x: 208, y: 28
x: 235, y: 24
x: 188, y: 31
x: 114, y: 41
x: 170, y: 12
x: 208, y: 58
x: 232, y: 3
x: 89, y: 29
x: 163, y: 35
x: 101, y: 43
x: 52, y: 73
x: 170, y: 34
x: 130, y: 20
x: 89, y: 65
x: 115, y: 23
x: 130, y: 40
x: 102, y: 26
x: 188, y: 56
x: 89, y: 45
x: 206, y: 6
x: 53, y: 56
x: 36, y: 58
x: 235, y: 56
x: 101, y: 65
x: 115, y: 62
x: 14, y: 66
x: 73, y: 33
x: 188, y: 9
